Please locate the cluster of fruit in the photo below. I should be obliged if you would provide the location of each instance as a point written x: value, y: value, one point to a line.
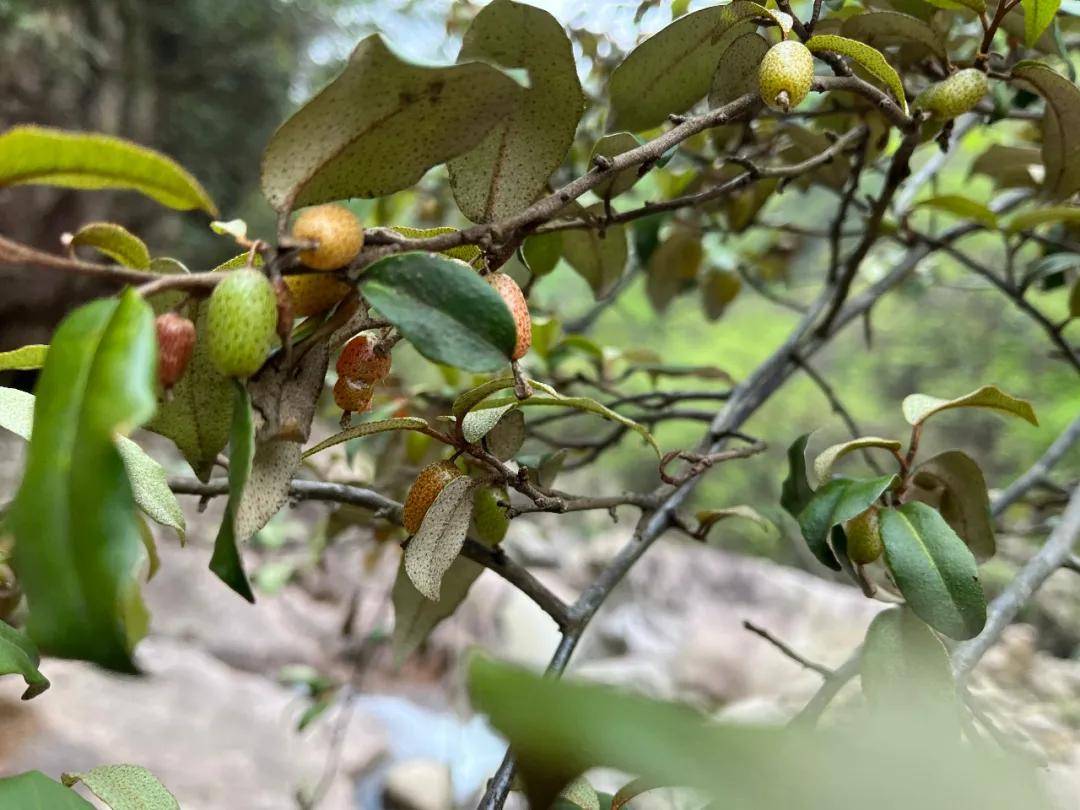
x: 363, y: 362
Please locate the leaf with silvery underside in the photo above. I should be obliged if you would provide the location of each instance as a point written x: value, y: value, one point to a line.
x: 74, y: 518
x: 432, y: 550
x: 19, y: 656
x: 825, y: 460
x: 933, y: 569
x: 125, y: 787
x: 866, y: 56
x: 505, y: 439
x: 673, y: 69
x: 25, y: 358
x: 600, y: 260
x: 225, y: 560
x: 1061, y: 126
x: 918, y: 408
x: 32, y: 155
x: 961, y: 206
x: 477, y: 423
x: 236, y: 228
x: 509, y: 169
x: 960, y: 495
x: 115, y: 241
x: 369, y: 429
x: 267, y: 488
x: 380, y: 125
x: 467, y: 400
x: 839, y: 500
x: 416, y: 616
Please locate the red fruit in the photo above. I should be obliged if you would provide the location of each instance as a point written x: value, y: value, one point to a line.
x: 514, y: 299
x: 361, y: 361
x: 176, y: 342
x: 424, y: 490
x: 352, y: 397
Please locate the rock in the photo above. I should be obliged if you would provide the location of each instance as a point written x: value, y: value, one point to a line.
x: 418, y: 784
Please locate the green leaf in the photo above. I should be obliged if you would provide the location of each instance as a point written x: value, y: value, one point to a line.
x: 933, y: 569
x: 579, y: 794
x: 433, y: 549
x: 958, y: 489
x: 1010, y: 166
x: 673, y: 69
x: 24, y: 358
x: 610, y: 146
x: 19, y: 656
x: 599, y: 259
x: 795, y: 492
x: 918, y: 408
x: 505, y: 439
x: 369, y: 429
x: 464, y: 253
x: 903, y: 666
x: 881, y: 29
x: 823, y: 464
x: 673, y: 267
x: 710, y: 517
x: 718, y: 289
x: 1060, y: 127
x: 542, y: 252
x: 839, y: 500
x: 736, y: 72
x: 225, y: 561
x: 33, y: 790
x: 1074, y: 300
x: 76, y: 530
x: 236, y: 228
x: 125, y: 787
x: 198, y: 413
x: 1038, y: 14
x: 963, y: 207
x: 1043, y: 216
x: 380, y: 125
x: 510, y: 167
x: 443, y: 308
x: 869, y: 58
x: 115, y: 241
x: 978, y: 6
x: 53, y: 157
x: 416, y: 616
x: 148, y: 481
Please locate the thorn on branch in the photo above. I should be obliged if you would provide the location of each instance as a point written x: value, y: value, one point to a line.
x: 676, y: 118
x: 602, y: 163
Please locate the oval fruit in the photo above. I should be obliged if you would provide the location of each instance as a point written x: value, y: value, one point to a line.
x: 337, y: 232
x: 785, y: 75
x: 176, y: 342
x: 864, y: 544
x: 424, y: 490
x: 489, y: 518
x: 361, y: 361
x: 514, y: 299
x: 352, y: 397
x: 314, y: 293
x: 955, y: 95
x: 241, y: 322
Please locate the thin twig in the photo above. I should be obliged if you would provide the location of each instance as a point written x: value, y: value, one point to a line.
x: 806, y: 663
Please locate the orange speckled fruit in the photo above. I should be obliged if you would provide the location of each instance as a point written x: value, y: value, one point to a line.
x: 361, y: 362
x: 176, y: 342
x: 314, y: 293
x: 337, y: 231
x: 514, y: 299
x: 352, y: 397
x: 425, y: 489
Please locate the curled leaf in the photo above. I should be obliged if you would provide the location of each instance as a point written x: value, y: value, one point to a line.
x: 918, y: 408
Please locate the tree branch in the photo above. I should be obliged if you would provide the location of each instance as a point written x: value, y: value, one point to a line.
x: 1038, y: 471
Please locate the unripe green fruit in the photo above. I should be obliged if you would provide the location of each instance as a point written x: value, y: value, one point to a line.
x: 489, y: 518
x: 863, y: 532
x: 514, y: 299
x: 955, y: 95
x: 425, y: 489
x: 785, y: 74
x: 361, y: 361
x: 337, y: 232
x: 241, y: 322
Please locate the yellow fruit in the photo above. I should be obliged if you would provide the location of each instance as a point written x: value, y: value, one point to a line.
x: 955, y: 95
x: 514, y: 299
x: 314, y: 293
x: 424, y: 490
x: 336, y: 230
x: 863, y: 532
x: 785, y: 74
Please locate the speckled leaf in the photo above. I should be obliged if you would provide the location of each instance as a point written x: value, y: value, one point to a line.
x: 1043, y: 216
x: 600, y: 260
x: 464, y: 253
x: 933, y: 569
x: 920, y: 407
x: 53, y: 157
x: 24, y: 358
x: 476, y: 424
x: 267, y: 488
x: 19, y: 656
x: 380, y: 125
x: 368, y: 429
x: 869, y: 58
x: 1061, y: 126
x: 115, y: 241
x: 1038, y: 14
x: 76, y: 530
x: 609, y: 146
x: 737, y: 71
x: 839, y: 500
x: 718, y: 289
x: 125, y: 787
x: 437, y: 544
x: 961, y: 497
x: 443, y: 308
x: 33, y: 790
x: 578, y: 794
x: 415, y: 616
x: 826, y: 458
x: 226, y: 561
x: 673, y: 69
x: 510, y: 167
x: 505, y: 439
x: 961, y: 206
x: 880, y: 29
